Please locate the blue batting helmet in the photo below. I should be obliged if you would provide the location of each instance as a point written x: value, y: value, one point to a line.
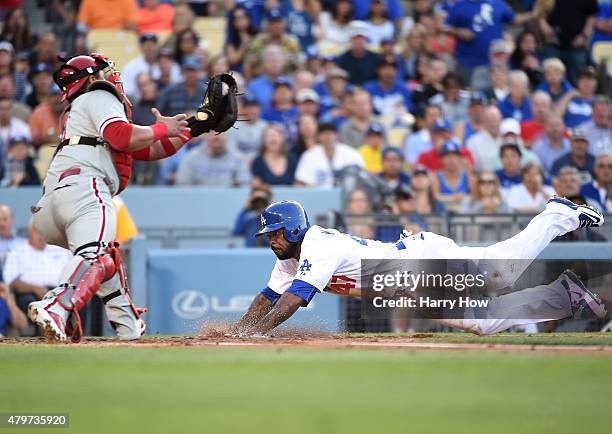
x: 288, y: 215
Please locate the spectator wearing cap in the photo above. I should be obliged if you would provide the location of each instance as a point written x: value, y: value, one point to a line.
x: 211, y: 164
x: 599, y: 129
x: 578, y: 156
x: 332, y: 90
x: 7, y: 60
x: 186, y: 95
x: 390, y: 96
x: 274, y: 34
x: 451, y: 183
x: 10, y: 127
x: 41, y: 79
x: 475, y: 24
x: 262, y: 87
x: 533, y: 129
x: 566, y: 28
x: 531, y: 195
x: 313, y: 63
x: 486, y: 197
x: 335, y: 27
x: 424, y: 200
x: 554, y: 83
x: 155, y: 16
x: 301, y: 23
x: 432, y: 82
x: 274, y: 165
x: 499, y: 56
x: 308, y: 102
x: 108, y: 14
x: 283, y: 110
x: 553, y: 145
x: 240, y: 33
x: 246, y: 140
x: 441, y: 134
x: 380, y: 27
x: 392, y: 172
x: 474, y: 123
x: 146, y: 63
x: 485, y: 145
x: 453, y: 99
x: 372, y: 148
x: 388, y: 51
x: 319, y: 165
x: 517, y: 104
x: 45, y: 120
x: 19, y: 167
x: 596, y: 191
x: 353, y: 131
x: 510, y: 155
x: 510, y: 129
x: 420, y: 141
x: 358, y: 61
x: 576, y: 105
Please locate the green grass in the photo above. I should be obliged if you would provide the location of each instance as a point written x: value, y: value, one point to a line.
x: 293, y: 391
x: 598, y: 339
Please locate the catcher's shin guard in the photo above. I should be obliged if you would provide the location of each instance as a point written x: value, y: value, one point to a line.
x: 124, y: 317
x: 82, y: 285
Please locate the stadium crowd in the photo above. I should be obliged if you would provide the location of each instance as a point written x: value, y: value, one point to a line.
x: 474, y: 106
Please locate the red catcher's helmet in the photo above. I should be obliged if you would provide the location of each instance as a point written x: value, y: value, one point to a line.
x: 73, y: 74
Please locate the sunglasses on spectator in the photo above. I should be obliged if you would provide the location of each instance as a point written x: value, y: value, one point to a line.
x: 486, y: 181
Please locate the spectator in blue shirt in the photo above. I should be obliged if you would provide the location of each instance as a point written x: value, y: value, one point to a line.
x: 510, y: 173
x: 283, y: 110
x: 274, y: 165
x: 389, y: 96
x: 248, y: 221
x: 603, y: 22
x: 358, y: 61
x: 262, y: 87
x: 576, y: 105
x: 596, y: 191
x: 475, y: 23
x: 554, y: 83
x: 517, y: 104
x: 301, y: 24
x: 362, y: 7
x: 185, y: 96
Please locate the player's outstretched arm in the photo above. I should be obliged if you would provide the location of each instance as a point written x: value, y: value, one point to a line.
x: 259, y: 308
x: 284, y: 308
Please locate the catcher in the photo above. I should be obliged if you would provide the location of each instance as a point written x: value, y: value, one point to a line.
x: 93, y: 163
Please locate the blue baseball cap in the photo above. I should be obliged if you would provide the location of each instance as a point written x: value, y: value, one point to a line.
x: 19, y: 139
x: 393, y: 150
x: 376, y: 128
x: 191, y: 62
x: 147, y: 36
x: 478, y: 98
x: 274, y: 15
x: 312, y: 52
x: 41, y: 67
x: 283, y: 81
x: 450, y: 147
x: 441, y: 125
x: 249, y: 99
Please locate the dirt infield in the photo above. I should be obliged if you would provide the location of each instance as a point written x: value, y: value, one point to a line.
x: 420, y: 341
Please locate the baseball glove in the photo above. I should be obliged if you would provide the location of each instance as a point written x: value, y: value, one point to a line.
x: 219, y: 110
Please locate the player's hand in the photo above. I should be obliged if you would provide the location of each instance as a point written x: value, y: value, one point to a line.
x: 177, y: 125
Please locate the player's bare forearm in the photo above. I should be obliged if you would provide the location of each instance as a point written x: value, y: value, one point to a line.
x: 259, y: 308
x: 284, y: 308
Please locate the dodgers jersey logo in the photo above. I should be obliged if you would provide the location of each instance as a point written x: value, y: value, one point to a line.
x: 305, y: 267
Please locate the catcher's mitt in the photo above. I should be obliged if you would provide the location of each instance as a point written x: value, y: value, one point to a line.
x: 219, y: 110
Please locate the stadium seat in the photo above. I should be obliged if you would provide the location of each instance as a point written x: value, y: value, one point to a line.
x: 118, y: 45
x: 212, y: 33
x: 602, y: 53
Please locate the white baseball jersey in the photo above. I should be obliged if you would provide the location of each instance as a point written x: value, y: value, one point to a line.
x: 329, y: 260
x: 89, y: 115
